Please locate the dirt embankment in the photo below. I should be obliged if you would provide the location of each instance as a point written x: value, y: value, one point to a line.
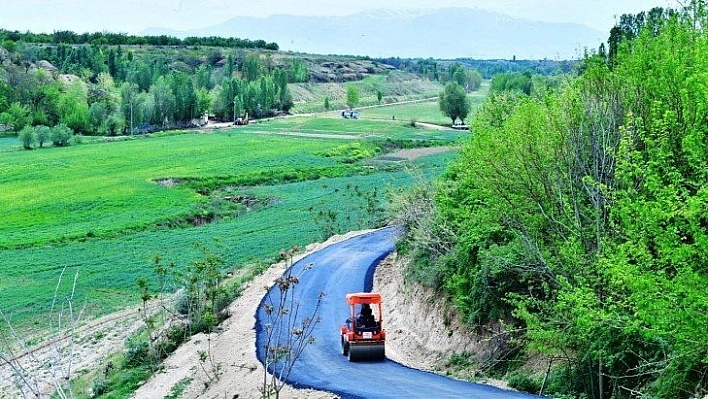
x: 421, y: 331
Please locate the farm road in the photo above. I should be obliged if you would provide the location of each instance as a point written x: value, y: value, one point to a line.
x: 346, y: 267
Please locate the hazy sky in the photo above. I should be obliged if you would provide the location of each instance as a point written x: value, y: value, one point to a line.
x: 132, y: 16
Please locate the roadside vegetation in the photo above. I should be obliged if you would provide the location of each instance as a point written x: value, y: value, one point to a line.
x: 575, y: 218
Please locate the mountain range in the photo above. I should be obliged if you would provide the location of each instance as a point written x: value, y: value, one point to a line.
x: 443, y: 33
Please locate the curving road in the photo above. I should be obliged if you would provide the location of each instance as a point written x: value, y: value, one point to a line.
x: 346, y: 267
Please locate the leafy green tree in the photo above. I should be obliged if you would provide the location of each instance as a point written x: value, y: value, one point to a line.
x: 98, y: 115
x: 519, y: 82
x: 165, y: 102
x: 285, y: 99
x: 379, y: 96
x: 9, y: 45
x: 185, y: 95
x: 61, y: 135
x: 203, y: 102
x: 252, y: 67
x: 28, y: 137
x: 73, y: 107
x: 298, y: 71
x: 578, y: 212
x: 224, y: 96
x: 43, y: 134
x: 229, y: 66
x: 202, y: 78
x: 352, y: 96
x: 474, y: 80
x: 267, y: 94
x: 454, y: 103
x: 326, y: 103
x: 130, y: 105
x: 17, y: 116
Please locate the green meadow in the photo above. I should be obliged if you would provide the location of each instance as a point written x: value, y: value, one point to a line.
x: 394, y: 130
x: 107, y: 209
x: 422, y: 111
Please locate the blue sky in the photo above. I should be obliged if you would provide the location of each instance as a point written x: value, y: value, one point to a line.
x: 133, y: 16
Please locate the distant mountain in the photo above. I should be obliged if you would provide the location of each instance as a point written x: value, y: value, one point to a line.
x: 442, y: 33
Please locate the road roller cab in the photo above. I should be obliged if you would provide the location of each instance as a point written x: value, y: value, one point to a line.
x: 363, y: 336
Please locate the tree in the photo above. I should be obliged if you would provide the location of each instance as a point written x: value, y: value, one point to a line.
x: 252, y: 67
x: 298, y: 71
x: 229, y: 66
x: 379, y: 96
x: 61, y: 135
x: 454, y: 102
x: 474, y: 80
x: 28, y: 137
x: 73, y: 107
x: 130, y: 105
x: 43, y: 134
x: 352, y: 96
x: 16, y: 117
x: 326, y: 103
x: 165, y: 102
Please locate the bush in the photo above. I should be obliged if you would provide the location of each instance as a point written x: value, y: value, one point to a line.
x: 524, y: 383
x: 137, y: 352
x: 100, y: 387
x: 61, y: 135
x: 42, y: 133
x: 28, y: 137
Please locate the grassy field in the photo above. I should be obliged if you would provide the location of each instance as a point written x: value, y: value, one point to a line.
x: 97, y: 208
x: 362, y: 128
x: 424, y: 111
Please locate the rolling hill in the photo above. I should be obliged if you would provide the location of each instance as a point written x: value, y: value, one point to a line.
x: 442, y: 33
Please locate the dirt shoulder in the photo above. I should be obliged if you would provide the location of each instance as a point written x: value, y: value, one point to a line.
x: 233, y: 350
x: 421, y: 332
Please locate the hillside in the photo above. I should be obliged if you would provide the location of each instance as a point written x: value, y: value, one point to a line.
x: 444, y: 33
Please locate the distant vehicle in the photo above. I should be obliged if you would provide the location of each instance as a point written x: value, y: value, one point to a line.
x: 460, y: 126
x: 350, y: 114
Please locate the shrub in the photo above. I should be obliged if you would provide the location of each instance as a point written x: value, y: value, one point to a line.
x: 524, y: 383
x: 28, y: 137
x: 137, y: 352
x: 61, y: 135
x: 42, y: 134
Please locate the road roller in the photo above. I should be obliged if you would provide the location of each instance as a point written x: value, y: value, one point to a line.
x: 363, y: 336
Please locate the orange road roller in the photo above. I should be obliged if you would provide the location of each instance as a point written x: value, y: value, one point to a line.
x: 363, y: 336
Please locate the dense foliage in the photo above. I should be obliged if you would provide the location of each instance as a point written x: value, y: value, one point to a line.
x: 578, y: 215
x: 435, y: 69
x: 101, y: 89
x: 116, y: 39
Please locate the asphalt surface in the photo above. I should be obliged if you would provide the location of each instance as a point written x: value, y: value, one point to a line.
x: 336, y: 270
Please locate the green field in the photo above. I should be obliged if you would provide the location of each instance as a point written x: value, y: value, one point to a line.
x: 422, y: 111
x: 361, y: 128
x: 98, y: 208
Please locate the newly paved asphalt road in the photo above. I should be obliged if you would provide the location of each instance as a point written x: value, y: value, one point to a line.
x: 339, y: 269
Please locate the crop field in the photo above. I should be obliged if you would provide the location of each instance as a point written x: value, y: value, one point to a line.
x: 100, y: 209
